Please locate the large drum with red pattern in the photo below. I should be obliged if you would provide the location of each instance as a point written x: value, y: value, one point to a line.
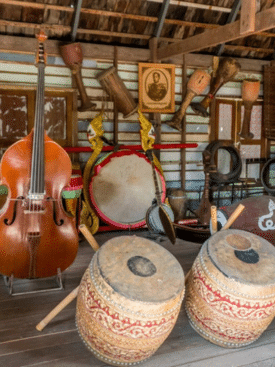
x: 258, y: 217
x: 128, y: 300
x: 122, y: 188
x: 72, y: 195
x: 230, y: 292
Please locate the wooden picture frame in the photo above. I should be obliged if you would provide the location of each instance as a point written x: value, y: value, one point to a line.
x: 156, y: 87
x: 17, y: 106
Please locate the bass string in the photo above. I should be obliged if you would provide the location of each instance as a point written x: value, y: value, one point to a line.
x: 40, y: 140
x: 37, y: 174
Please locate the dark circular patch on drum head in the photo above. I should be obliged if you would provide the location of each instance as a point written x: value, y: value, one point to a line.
x: 141, y: 266
x: 249, y: 256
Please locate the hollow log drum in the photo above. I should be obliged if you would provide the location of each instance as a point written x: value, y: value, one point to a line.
x: 116, y: 89
x: 230, y: 292
x: 129, y: 299
x: 178, y: 200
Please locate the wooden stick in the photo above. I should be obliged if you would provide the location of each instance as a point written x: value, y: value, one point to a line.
x: 71, y: 296
x: 214, y: 219
x: 89, y: 237
x: 233, y: 216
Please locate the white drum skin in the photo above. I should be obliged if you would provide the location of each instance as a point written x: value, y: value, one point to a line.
x: 129, y: 300
x: 122, y: 188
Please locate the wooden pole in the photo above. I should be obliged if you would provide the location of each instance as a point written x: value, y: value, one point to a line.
x: 115, y: 139
x: 183, y: 131
x: 155, y: 117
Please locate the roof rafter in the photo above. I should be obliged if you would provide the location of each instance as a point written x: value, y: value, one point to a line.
x: 231, y: 18
x: 264, y: 20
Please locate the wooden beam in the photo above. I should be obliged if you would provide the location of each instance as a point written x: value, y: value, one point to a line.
x: 177, y: 22
x: 28, y: 45
x: 231, y: 18
x: 229, y: 32
x: 195, y: 5
x: 248, y: 12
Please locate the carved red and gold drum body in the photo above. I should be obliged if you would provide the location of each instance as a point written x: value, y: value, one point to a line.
x: 230, y: 292
x: 122, y: 188
x: 258, y: 216
x: 129, y: 300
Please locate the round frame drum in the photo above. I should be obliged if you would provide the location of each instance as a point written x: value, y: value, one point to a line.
x: 122, y: 188
x: 230, y: 292
x: 129, y: 299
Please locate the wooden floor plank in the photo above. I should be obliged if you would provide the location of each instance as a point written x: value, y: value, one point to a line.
x: 59, y: 344
x: 262, y: 363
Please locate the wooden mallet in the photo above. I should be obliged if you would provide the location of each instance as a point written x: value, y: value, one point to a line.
x: 71, y: 296
x: 233, y: 216
x: 214, y: 219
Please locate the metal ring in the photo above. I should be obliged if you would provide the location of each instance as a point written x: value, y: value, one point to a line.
x: 234, y: 174
x: 265, y: 175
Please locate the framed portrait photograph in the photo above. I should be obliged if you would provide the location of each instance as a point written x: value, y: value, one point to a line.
x: 156, y: 87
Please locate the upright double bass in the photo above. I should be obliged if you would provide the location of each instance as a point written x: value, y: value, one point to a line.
x: 37, y: 237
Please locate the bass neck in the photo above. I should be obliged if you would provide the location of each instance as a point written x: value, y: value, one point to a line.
x: 37, y: 182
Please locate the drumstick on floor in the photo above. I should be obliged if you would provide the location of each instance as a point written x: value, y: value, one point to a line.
x: 71, y: 296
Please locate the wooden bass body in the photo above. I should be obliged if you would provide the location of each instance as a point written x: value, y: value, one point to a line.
x: 36, y: 237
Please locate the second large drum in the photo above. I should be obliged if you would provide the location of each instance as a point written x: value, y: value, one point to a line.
x: 230, y: 292
x: 129, y: 300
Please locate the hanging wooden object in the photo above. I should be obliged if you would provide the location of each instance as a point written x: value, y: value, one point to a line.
x: 250, y: 93
x: 195, y: 86
x: 116, y: 89
x: 227, y: 69
x: 72, y: 56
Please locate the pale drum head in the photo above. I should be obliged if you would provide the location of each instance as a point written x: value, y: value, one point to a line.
x: 244, y: 257
x: 129, y: 300
x: 122, y: 188
x: 140, y: 269
x: 230, y: 297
